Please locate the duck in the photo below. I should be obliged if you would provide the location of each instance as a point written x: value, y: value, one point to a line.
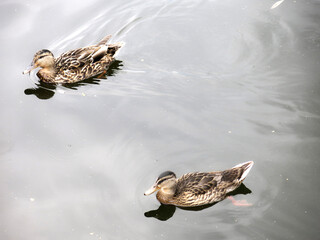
x: 74, y: 65
x: 198, y: 188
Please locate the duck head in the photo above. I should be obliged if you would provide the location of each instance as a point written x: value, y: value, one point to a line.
x: 166, y: 183
x: 43, y: 59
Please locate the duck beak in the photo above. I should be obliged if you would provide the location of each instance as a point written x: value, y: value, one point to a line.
x: 29, y: 69
x: 151, y: 190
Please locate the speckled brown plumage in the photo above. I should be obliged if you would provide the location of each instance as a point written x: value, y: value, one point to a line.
x: 75, y: 65
x: 199, y: 188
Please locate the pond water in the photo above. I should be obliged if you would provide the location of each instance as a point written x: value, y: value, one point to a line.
x: 199, y: 86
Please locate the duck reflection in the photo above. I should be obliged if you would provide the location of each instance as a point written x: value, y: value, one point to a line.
x: 165, y: 212
x: 47, y: 90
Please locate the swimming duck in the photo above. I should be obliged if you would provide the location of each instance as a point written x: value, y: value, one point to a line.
x: 75, y: 65
x: 198, y: 188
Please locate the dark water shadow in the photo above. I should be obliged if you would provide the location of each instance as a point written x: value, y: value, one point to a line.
x: 46, y: 91
x: 165, y: 212
x: 42, y: 90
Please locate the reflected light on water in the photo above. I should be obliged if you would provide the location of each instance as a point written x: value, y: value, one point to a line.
x: 199, y: 86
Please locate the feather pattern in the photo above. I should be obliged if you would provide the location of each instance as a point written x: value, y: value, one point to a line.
x: 76, y: 65
x: 200, y: 188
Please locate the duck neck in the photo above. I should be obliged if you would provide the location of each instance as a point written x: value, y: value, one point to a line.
x: 166, y: 195
x: 47, y: 74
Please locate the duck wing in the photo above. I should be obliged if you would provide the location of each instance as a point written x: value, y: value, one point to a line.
x: 82, y: 63
x: 81, y: 57
x: 200, y: 188
x: 198, y: 183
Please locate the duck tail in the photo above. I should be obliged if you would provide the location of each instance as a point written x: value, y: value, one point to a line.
x: 104, y: 40
x: 246, y: 167
x: 113, y: 48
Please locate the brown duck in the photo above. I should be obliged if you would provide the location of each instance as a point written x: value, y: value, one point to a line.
x: 198, y: 188
x: 75, y: 65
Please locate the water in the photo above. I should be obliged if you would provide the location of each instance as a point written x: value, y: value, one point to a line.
x: 199, y: 86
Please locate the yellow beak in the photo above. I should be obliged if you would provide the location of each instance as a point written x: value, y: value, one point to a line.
x: 151, y: 190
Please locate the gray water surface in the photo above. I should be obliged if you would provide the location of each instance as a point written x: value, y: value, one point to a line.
x: 199, y: 86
